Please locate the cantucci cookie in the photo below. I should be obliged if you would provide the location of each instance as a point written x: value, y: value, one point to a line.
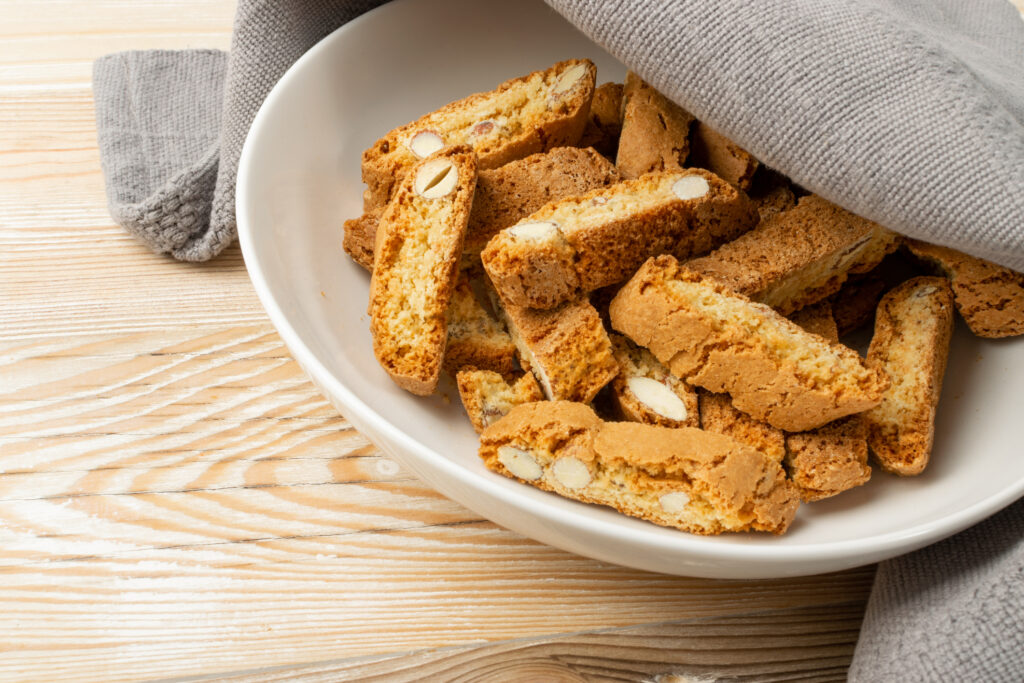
x: 504, y: 195
x: 566, y: 348
x: 834, y: 457
x: 988, y: 296
x: 718, y: 415
x: 910, y: 345
x: 799, y: 256
x: 419, y: 242
x: 522, y: 116
x: 720, y: 340
x: 360, y: 236
x: 475, y: 336
x: 711, y: 150
x: 604, y: 124
x: 855, y: 302
x: 655, y: 131
x: 645, y: 391
x: 507, y: 194
x: 685, y: 478
x: 487, y: 397
x: 771, y: 192
x: 579, y: 244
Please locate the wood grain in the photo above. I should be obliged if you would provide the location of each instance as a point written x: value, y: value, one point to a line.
x: 183, y: 501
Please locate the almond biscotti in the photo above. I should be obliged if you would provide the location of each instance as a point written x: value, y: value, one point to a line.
x: 476, y: 337
x: 988, y: 296
x: 566, y: 348
x: 604, y: 123
x: 522, y: 116
x: 487, y: 396
x: 718, y: 415
x: 720, y: 340
x: 799, y: 256
x: 645, y: 391
x: 507, y: 194
x: 360, y: 236
x: 913, y: 327
x: 579, y: 244
x: 419, y: 242
x: 833, y: 458
x: 655, y: 131
x: 711, y: 150
x: 684, y: 478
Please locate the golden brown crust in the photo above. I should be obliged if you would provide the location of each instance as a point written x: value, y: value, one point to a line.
x: 988, y: 296
x: 360, y: 235
x: 507, y: 194
x: 830, y: 459
x: 800, y: 256
x: 655, y: 131
x: 685, y: 478
x: 855, y: 302
x: 602, y: 237
x: 604, y: 123
x: 522, y: 116
x: 628, y: 395
x: 711, y: 150
x: 567, y: 348
x: 418, y: 245
x: 833, y: 458
x: 913, y: 327
x: 475, y: 336
x: 718, y: 415
x: 487, y: 396
x: 714, y: 338
x: 771, y: 192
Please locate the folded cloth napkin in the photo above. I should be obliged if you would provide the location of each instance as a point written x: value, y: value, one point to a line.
x: 909, y: 112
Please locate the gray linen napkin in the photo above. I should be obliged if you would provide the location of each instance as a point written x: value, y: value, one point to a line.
x: 910, y: 112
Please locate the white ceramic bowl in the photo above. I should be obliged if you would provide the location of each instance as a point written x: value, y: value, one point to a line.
x: 299, y: 179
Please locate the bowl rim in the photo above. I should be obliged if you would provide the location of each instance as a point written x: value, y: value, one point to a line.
x: 870, y: 549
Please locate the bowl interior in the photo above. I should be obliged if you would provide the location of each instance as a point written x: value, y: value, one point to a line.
x: 300, y: 179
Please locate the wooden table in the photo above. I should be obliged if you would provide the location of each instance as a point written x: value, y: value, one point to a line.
x: 177, y: 500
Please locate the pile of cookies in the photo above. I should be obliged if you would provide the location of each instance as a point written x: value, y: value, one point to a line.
x: 638, y: 314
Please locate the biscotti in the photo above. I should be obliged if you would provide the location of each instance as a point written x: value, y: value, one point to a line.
x: 360, y: 237
x: 771, y: 192
x: 799, y: 256
x: 418, y: 245
x: 645, y: 391
x: 655, y: 132
x: 711, y: 150
x: 579, y: 244
x: 522, y: 116
x: 487, y: 396
x: 718, y: 415
x: 989, y: 297
x: 604, y: 123
x: 476, y: 337
x: 566, y: 348
x: 684, y: 478
x: 833, y: 458
x: 913, y: 327
x: 507, y: 194
x: 504, y: 195
x: 720, y: 340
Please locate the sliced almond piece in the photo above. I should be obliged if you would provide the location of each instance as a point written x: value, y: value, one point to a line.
x: 691, y: 187
x: 520, y: 463
x: 436, y: 179
x: 657, y: 397
x: 571, y: 473
x: 425, y: 143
